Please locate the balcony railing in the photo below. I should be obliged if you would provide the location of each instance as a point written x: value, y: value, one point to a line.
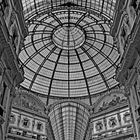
x: 129, y: 131
x: 22, y: 134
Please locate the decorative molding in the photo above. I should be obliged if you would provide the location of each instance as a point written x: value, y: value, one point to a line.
x: 99, y: 126
x: 127, y: 117
x: 68, y: 100
x: 29, y: 102
x: 109, y: 100
x: 112, y: 122
x: 131, y: 51
x: 12, y: 118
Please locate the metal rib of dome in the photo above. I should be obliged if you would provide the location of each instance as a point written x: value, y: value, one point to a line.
x: 69, y: 51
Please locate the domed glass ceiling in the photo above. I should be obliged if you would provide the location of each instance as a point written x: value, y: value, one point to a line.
x: 69, y: 51
x: 68, y: 37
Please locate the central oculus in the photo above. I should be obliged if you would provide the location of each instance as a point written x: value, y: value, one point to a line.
x: 68, y: 37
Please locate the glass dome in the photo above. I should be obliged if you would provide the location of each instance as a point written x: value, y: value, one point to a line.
x: 69, y: 51
x: 68, y: 37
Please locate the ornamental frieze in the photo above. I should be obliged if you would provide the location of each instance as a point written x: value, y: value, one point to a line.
x: 26, y: 103
x: 112, y: 99
x: 113, y: 102
x: 30, y: 102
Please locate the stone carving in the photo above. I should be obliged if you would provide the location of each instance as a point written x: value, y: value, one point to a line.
x: 7, y: 9
x: 112, y: 122
x: 39, y: 126
x: 116, y: 100
x: 132, y: 8
x: 99, y: 126
x: 12, y: 19
x: 127, y: 117
x: 12, y: 119
x: 26, y: 123
x: 29, y: 102
x: 14, y: 35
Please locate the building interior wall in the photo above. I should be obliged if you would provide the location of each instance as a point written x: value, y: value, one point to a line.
x: 114, y: 115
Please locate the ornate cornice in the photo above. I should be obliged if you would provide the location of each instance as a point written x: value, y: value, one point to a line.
x: 9, y: 57
x: 130, y: 53
x: 119, y: 9
x: 17, y: 6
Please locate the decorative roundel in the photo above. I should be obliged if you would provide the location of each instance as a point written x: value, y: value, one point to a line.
x: 69, y: 53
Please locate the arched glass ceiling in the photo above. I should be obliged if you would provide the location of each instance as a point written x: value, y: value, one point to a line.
x: 103, y: 7
x: 69, y: 121
x: 69, y: 51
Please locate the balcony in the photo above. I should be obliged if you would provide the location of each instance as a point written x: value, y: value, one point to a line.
x: 16, y: 133
x: 115, y: 134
